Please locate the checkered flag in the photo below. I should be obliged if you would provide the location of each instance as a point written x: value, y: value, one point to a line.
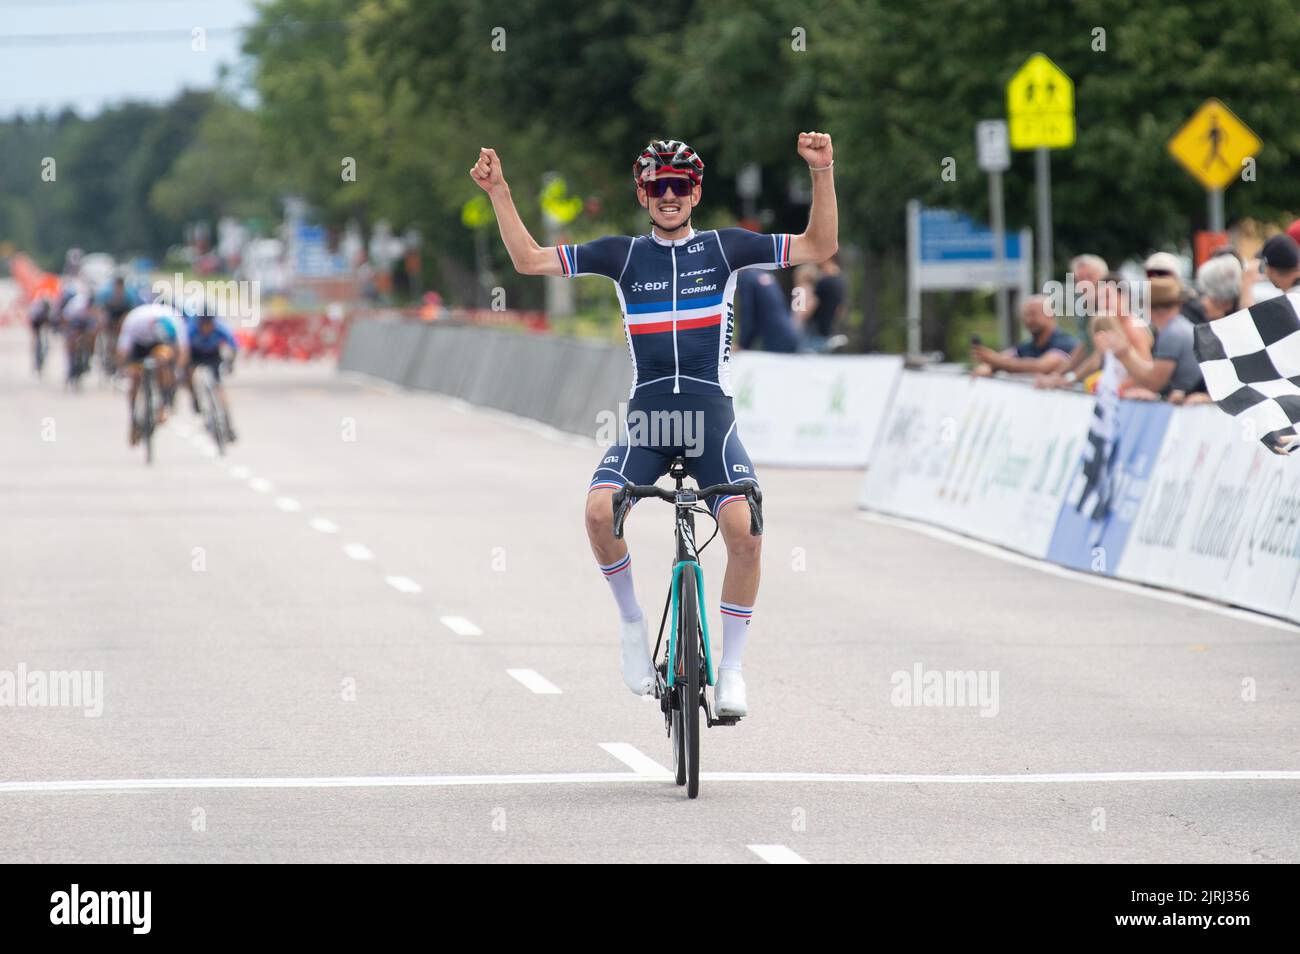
x: 1251, y: 364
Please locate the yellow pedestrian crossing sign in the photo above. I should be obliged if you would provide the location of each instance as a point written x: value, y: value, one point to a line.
x: 1040, y: 106
x: 1212, y: 145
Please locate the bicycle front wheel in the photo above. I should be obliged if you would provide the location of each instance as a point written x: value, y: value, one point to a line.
x: 688, y: 645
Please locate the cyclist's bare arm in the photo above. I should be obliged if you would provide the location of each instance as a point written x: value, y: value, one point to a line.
x: 528, y: 257
x: 821, y: 239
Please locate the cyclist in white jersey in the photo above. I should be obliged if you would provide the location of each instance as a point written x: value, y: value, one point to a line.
x: 676, y: 287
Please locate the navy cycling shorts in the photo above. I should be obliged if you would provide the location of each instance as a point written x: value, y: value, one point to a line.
x: 700, y: 428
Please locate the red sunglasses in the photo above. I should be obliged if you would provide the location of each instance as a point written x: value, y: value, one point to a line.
x: 658, y: 188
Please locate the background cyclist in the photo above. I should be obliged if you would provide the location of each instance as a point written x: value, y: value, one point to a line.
x: 154, y: 330
x: 209, y: 338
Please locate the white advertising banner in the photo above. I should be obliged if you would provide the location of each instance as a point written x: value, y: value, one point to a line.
x: 1220, y: 518
x: 983, y: 457
x: 811, y: 410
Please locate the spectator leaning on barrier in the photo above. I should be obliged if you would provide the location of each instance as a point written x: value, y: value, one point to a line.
x: 1172, y: 370
x: 1167, y: 265
x: 1220, y: 282
x: 1047, y: 349
x: 1088, y: 270
x: 1112, y: 301
x: 765, y: 320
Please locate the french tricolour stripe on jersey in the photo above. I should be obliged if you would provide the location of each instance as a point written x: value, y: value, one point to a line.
x: 568, y: 258
x: 656, y: 316
x: 782, y: 249
x: 731, y: 609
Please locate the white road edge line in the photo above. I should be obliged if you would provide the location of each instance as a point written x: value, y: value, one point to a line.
x: 636, y: 760
x: 460, y: 626
x: 535, y: 681
x: 358, y: 551
x: 403, y: 584
x: 1065, y: 573
x: 777, y: 855
x: 586, y: 778
x: 322, y: 525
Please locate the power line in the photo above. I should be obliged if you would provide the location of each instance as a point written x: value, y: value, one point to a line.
x: 153, y: 36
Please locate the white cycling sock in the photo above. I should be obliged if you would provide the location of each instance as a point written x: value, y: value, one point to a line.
x: 619, y: 575
x: 735, y: 630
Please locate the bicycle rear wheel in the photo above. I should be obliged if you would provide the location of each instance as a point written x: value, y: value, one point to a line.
x: 688, y: 635
x: 213, y: 415
x: 145, y: 397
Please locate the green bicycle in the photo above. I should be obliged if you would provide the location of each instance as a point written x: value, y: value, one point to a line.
x: 686, y: 667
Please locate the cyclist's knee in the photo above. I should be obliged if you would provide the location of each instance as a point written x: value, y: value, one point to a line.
x: 741, y: 545
x: 600, y: 514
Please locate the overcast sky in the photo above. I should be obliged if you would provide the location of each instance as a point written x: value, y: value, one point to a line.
x: 56, y: 53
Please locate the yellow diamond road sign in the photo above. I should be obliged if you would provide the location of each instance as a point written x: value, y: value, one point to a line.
x: 1212, y: 144
x: 1040, y: 106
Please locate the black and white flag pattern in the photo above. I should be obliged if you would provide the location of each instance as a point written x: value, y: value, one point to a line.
x: 1094, y: 489
x: 1251, y: 363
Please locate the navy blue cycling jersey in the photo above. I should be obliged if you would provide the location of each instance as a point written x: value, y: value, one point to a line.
x: 210, y: 344
x: 677, y: 299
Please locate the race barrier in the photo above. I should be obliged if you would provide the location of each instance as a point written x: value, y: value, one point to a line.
x: 558, y: 381
x: 1188, y: 500
x: 792, y: 410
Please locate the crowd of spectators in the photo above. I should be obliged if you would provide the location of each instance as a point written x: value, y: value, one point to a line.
x: 1147, y: 325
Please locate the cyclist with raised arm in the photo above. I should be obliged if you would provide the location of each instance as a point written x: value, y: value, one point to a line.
x: 676, y: 287
x: 155, y: 331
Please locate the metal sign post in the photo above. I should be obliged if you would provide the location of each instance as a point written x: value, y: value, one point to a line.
x: 993, y: 149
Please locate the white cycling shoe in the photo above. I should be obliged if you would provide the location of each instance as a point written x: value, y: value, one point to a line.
x: 729, y: 694
x: 638, y: 673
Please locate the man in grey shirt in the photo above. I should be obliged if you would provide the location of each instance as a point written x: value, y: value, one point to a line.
x: 1171, y: 372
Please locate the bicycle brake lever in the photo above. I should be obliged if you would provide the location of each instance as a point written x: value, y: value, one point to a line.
x: 755, y: 501
x: 621, y: 503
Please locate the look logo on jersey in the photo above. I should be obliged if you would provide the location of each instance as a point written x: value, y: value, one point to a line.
x: 678, y: 322
x: 679, y: 319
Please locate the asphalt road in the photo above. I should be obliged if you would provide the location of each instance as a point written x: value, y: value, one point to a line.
x: 306, y: 651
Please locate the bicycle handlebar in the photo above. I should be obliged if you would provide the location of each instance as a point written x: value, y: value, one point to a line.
x: 753, y: 494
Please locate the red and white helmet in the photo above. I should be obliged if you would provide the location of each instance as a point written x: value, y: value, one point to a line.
x: 670, y: 154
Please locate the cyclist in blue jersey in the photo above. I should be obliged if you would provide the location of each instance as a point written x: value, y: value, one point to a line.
x: 675, y: 287
x: 209, y: 338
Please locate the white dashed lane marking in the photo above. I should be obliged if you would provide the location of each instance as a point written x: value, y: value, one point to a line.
x: 635, y: 759
x: 535, y: 681
x: 358, y: 551
x: 288, y: 504
x: 323, y: 525
x: 403, y: 584
x: 460, y: 626
x: 777, y: 855
x: 261, y: 485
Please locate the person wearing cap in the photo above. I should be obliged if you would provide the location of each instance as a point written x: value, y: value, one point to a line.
x: 1168, y: 265
x: 1172, y: 371
x: 1280, y: 262
x: 1046, y: 350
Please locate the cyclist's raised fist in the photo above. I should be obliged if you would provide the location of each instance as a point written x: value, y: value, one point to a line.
x: 815, y: 148
x: 487, y: 171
